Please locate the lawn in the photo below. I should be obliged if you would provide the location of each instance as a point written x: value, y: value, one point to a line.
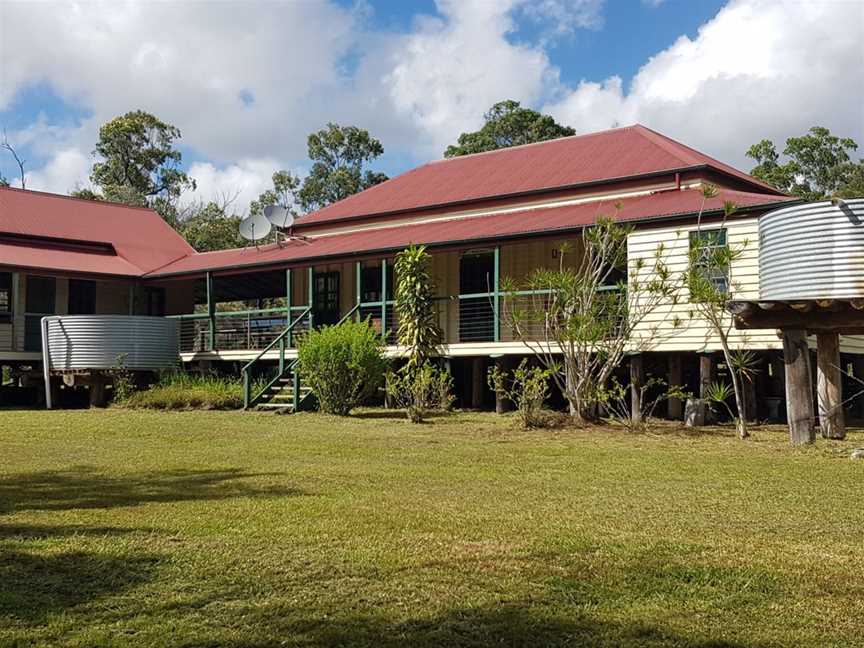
x: 122, y: 528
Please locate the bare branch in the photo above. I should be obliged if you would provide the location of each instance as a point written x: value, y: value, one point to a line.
x: 6, y: 145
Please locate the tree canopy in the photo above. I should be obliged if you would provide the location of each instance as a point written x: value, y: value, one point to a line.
x: 340, y: 156
x: 817, y: 165
x: 283, y: 192
x: 508, y: 124
x: 209, y: 227
x: 138, y: 164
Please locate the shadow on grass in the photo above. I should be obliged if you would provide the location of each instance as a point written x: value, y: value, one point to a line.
x: 512, y: 624
x: 34, y: 586
x: 82, y: 487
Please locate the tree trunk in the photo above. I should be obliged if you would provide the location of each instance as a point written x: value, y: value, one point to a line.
x: 741, y: 419
x: 829, y: 386
x: 799, y: 393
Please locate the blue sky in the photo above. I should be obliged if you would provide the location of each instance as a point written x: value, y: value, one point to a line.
x: 246, y: 82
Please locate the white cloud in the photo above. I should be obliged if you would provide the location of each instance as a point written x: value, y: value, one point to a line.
x: 249, y: 81
x: 760, y: 68
x: 246, y: 82
x: 241, y: 183
x: 446, y: 74
x: 67, y: 170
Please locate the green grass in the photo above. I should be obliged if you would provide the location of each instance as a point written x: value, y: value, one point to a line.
x: 181, y: 391
x: 139, y: 528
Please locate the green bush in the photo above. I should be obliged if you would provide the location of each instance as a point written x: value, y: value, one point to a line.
x: 527, y: 388
x: 182, y: 391
x: 420, y: 391
x: 344, y: 365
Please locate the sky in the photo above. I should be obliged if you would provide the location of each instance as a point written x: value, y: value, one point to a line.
x: 246, y: 82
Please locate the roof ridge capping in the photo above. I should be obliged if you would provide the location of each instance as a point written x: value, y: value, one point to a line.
x: 506, y: 149
x: 104, y: 203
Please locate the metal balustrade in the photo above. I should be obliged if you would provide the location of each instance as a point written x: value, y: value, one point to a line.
x: 462, y: 318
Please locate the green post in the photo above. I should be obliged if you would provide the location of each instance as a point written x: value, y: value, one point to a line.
x: 384, y: 299
x: 295, y: 387
x: 357, y: 272
x: 288, y: 303
x: 495, y: 297
x: 211, y: 313
x: 281, y: 356
x: 311, y: 300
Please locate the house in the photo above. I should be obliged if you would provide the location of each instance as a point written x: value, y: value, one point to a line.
x: 482, y: 217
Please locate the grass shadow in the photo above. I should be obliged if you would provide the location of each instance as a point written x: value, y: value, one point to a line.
x: 37, y: 585
x: 82, y: 488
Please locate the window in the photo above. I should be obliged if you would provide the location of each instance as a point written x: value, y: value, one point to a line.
x: 370, y: 283
x: 712, y: 261
x: 82, y: 297
x: 5, y: 297
x: 38, y: 301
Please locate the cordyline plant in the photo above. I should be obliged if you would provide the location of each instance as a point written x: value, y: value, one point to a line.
x: 581, y: 319
x: 419, y: 331
x: 710, y: 284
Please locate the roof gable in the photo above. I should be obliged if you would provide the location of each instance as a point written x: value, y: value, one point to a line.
x: 139, y: 236
x: 605, y: 156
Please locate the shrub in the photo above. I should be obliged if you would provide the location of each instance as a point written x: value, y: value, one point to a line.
x: 344, y: 365
x: 527, y: 389
x: 420, y: 391
x: 122, y: 379
x: 181, y: 391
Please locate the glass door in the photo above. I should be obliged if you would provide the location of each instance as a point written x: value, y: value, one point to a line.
x: 326, y: 298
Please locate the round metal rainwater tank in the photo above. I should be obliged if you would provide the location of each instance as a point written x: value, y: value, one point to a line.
x: 813, y: 251
x: 100, y: 341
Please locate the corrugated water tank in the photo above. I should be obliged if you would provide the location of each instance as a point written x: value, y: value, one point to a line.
x: 812, y: 251
x: 100, y: 341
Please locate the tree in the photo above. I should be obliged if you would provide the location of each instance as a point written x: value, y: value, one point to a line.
x: 508, y: 124
x: 209, y: 227
x: 709, y: 283
x: 139, y: 164
x: 339, y: 156
x: 818, y: 165
x: 11, y: 149
x: 284, y: 193
x: 580, y: 319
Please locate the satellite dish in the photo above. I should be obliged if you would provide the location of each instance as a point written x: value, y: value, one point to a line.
x: 278, y: 216
x: 254, y: 228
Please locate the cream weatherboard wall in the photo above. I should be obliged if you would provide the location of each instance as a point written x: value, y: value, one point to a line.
x: 659, y: 332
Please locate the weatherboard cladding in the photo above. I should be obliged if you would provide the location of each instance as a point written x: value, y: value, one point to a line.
x: 538, y: 221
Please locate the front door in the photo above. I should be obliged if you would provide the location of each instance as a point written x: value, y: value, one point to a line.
x: 476, y: 275
x: 326, y: 298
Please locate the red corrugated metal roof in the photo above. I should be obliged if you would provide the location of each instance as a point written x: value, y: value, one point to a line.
x: 476, y: 228
x: 142, y: 240
x: 608, y: 155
